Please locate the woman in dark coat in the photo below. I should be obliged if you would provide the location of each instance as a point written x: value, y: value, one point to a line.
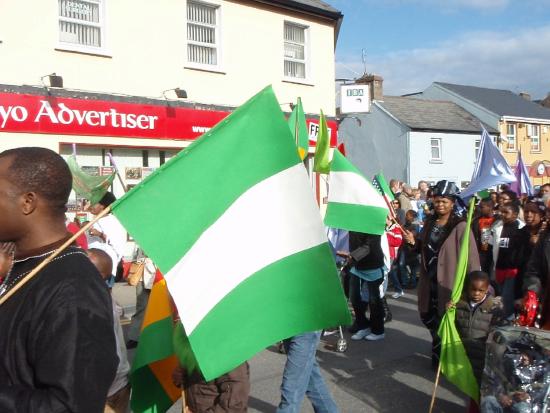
x: 439, y: 246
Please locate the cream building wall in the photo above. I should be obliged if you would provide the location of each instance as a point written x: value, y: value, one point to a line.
x: 145, y: 52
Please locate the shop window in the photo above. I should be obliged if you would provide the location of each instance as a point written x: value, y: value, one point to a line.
x: 203, y: 34
x: 435, y: 144
x: 511, y: 137
x: 295, y: 58
x: 81, y: 25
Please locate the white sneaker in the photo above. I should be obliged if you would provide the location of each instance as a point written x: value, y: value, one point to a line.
x: 375, y: 337
x: 361, y: 334
x: 397, y: 295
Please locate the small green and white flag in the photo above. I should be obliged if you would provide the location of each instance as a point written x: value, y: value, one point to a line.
x: 353, y: 203
x: 232, y: 223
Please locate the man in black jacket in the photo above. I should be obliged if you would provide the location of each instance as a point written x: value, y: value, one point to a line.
x: 57, y: 344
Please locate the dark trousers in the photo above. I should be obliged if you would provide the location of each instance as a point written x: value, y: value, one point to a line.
x: 431, y: 320
x: 376, y: 307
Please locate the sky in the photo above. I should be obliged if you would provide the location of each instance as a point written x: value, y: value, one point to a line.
x: 501, y: 44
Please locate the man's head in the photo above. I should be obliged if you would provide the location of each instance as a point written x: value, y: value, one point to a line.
x: 102, y: 262
x: 533, y: 212
x: 509, y: 212
x: 395, y: 186
x: 35, y: 184
x: 410, y: 216
x: 478, y: 285
x: 506, y: 196
x: 486, y: 207
x: 406, y: 188
x: 103, y: 203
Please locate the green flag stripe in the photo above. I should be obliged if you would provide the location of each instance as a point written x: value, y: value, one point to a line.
x: 339, y: 163
x: 153, y: 345
x: 281, y: 308
x: 360, y: 218
x: 185, y: 216
x: 148, y: 395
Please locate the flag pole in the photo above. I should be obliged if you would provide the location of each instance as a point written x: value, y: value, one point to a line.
x: 53, y: 255
x: 435, y: 387
x: 117, y: 172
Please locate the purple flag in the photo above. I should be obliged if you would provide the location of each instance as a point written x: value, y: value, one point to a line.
x: 523, y: 184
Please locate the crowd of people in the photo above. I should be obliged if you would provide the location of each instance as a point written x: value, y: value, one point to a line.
x: 66, y: 317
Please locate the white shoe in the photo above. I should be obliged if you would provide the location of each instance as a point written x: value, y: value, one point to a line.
x: 375, y: 337
x: 397, y: 295
x: 361, y: 334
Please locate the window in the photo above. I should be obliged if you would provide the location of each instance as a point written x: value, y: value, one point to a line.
x: 533, y: 133
x: 295, y: 51
x: 477, y: 144
x: 435, y: 144
x: 511, y: 136
x: 203, y: 34
x: 81, y: 24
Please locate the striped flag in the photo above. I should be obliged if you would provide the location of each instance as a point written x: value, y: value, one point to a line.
x: 379, y: 182
x: 154, y: 362
x: 298, y: 127
x: 232, y: 223
x: 353, y: 203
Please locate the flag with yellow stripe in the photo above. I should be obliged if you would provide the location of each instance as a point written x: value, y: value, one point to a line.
x: 151, y: 374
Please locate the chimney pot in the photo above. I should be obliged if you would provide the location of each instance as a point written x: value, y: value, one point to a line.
x: 525, y: 95
x: 375, y: 83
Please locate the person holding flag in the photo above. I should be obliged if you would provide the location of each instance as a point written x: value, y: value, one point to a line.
x: 439, y: 246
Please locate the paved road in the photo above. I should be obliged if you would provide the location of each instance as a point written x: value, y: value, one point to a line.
x: 393, y: 375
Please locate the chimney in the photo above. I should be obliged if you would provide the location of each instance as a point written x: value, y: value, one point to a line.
x: 525, y: 95
x: 375, y: 85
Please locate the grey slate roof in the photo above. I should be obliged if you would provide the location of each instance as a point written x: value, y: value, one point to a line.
x: 500, y: 102
x: 319, y: 4
x: 432, y: 115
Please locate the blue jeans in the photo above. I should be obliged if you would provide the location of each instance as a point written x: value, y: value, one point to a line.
x: 302, y: 376
x: 392, y: 275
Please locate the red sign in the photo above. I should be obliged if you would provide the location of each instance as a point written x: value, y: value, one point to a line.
x: 71, y: 116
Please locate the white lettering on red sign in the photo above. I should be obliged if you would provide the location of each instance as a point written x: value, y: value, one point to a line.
x: 68, y: 116
x: 17, y: 113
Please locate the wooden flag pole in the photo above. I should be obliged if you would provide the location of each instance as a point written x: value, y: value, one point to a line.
x: 53, y: 255
x: 183, y: 401
x: 435, y: 387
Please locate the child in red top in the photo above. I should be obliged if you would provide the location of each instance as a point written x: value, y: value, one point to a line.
x: 395, y: 239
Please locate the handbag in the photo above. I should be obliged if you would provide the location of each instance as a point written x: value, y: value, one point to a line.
x: 135, y: 273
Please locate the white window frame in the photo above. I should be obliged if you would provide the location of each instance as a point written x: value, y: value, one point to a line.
x: 477, y: 146
x: 218, y: 67
x: 439, y: 147
x: 511, y: 145
x: 306, y: 61
x: 533, y: 131
x: 102, y: 25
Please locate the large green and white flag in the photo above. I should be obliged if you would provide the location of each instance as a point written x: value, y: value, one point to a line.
x: 232, y: 223
x: 353, y: 203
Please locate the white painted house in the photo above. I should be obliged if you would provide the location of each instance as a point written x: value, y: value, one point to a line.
x: 413, y: 139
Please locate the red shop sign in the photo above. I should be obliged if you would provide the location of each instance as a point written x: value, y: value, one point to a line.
x: 71, y: 116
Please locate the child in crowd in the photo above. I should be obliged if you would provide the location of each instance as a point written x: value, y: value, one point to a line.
x: 481, y: 228
x: 476, y: 314
x: 395, y: 239
x: 507, y: 241
x: 118, y: 396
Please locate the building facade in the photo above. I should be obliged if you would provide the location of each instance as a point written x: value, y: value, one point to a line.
x: 412, y: 139
x: 523, y: 125
x: 142, y: 80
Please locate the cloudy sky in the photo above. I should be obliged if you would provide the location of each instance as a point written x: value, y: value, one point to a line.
x: 503, y: 44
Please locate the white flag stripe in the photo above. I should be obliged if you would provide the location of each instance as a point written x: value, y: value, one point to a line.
x: 363, y: 193
x: 229, y: 251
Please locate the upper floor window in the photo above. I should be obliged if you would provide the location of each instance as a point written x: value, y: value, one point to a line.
x: 295, y: 51
x: 203, y: 39
x: 82, y: 24
x: 477, y: 144
x: 533, y: 132
x: 435, y: 144
x: 511, y: 136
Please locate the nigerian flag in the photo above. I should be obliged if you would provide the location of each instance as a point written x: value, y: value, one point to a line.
x: 353, y: 203
x: 454, y: 362
x: 232, y: 223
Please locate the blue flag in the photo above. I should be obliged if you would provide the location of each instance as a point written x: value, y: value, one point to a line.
x: 491, y: 168
x: 523, y: 184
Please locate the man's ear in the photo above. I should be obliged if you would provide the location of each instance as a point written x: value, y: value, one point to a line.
x: 29, y: 202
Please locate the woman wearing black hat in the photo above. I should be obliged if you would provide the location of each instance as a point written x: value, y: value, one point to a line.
x: 439, y: 246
